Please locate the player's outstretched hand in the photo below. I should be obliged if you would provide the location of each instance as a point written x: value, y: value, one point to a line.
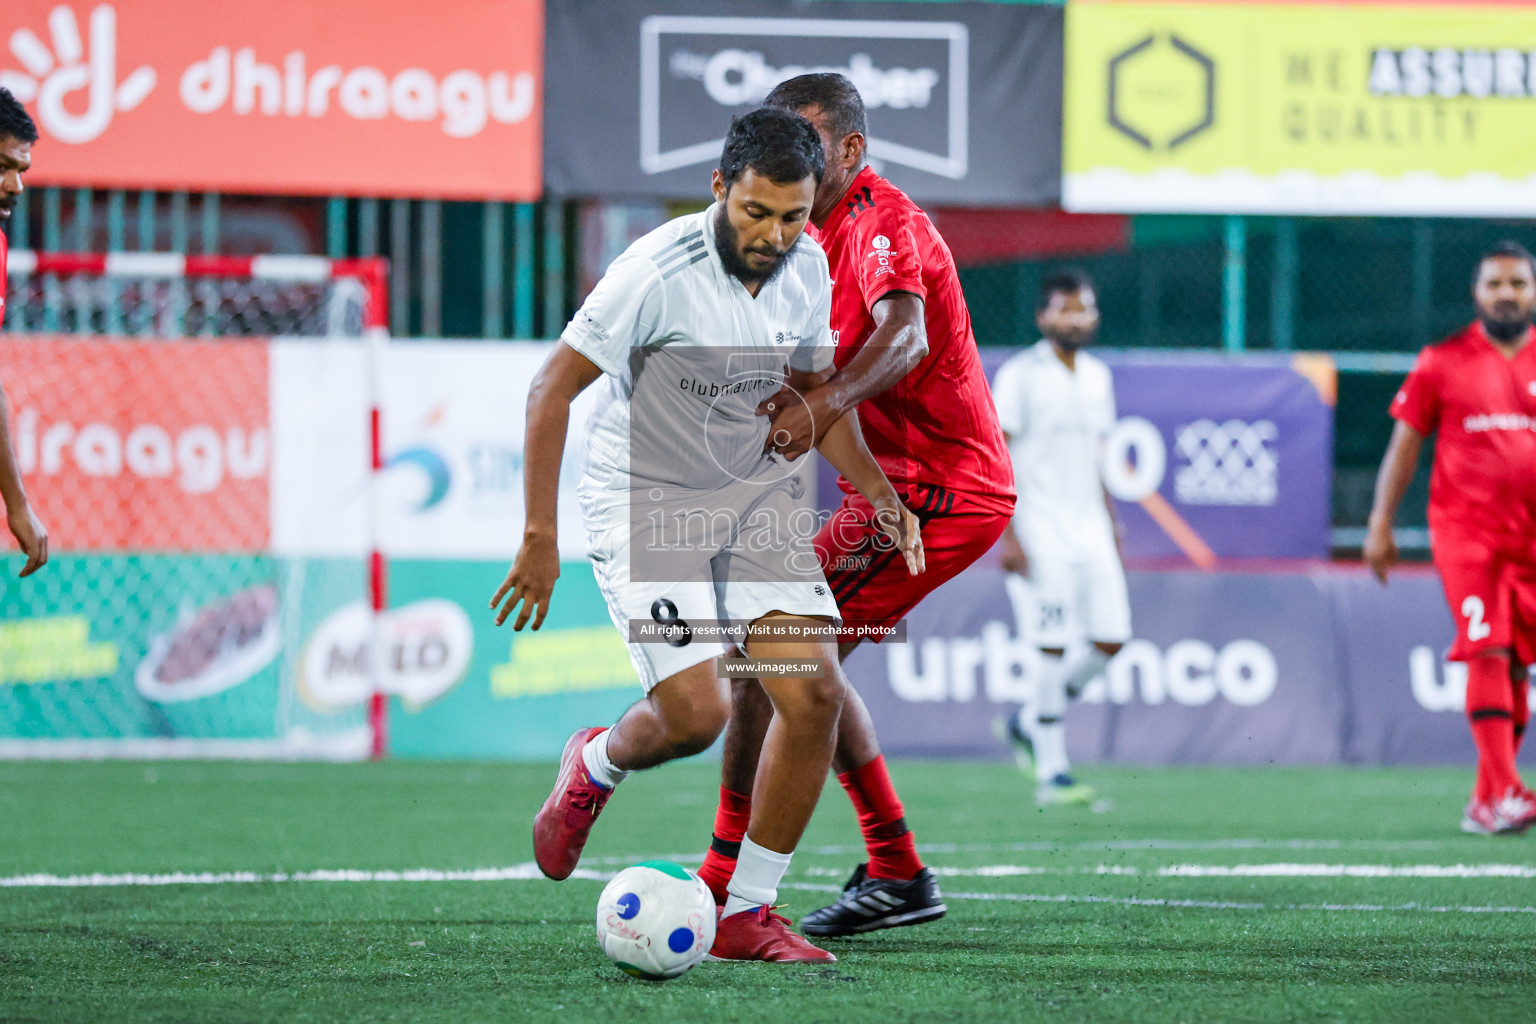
x: 898, y: 523
x: 531, y: 580
x: 31, y: 535
x: 1380, y: 551
x: 1013, y: 556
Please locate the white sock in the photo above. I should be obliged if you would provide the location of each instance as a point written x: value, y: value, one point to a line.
x: 1082, y: 667
x: 595, y: 756
x: 1049, y: 730
x: 755, y: 882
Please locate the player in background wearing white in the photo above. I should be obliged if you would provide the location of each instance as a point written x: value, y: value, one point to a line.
x: 693, y: 326
x: 17, y: 133
x: 1056, y: 403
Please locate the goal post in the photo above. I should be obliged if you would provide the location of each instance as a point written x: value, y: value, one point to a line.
x: 166, y: 624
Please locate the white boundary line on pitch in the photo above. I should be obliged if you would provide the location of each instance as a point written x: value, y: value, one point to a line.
x: 1237, y: 871
x: 1158, y: 844
x: 1093, y: 846
x: 530, y: 872
x: 515, y: 873
x: 1131, y: 901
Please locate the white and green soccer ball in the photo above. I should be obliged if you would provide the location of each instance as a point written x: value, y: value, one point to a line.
x: 656, y: 920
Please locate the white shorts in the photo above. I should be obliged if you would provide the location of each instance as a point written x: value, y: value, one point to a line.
x: 740, y: 583
x: 1075, y: 598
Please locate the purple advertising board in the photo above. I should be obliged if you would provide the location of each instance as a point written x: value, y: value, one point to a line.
x: 1317, y: 664
x: 1216, y: 457
x: 1212, y: 457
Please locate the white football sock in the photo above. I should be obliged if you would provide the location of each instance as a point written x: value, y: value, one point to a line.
x: 595, y: 756
x: 1049, y: 730
x: 755, y: 882
x: 1081, y: 667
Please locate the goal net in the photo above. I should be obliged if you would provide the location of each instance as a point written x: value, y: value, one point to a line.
x: 167, y: 622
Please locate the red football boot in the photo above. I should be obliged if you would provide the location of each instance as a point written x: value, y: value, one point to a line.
x: 1518, y: 809
x: 763, y: 935
x: 561, y: 827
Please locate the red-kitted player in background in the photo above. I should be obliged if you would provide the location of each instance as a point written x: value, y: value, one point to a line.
x: 1477, y: 389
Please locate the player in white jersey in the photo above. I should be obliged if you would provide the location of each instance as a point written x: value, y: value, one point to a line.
x: 1056, y: 403
x: 692, y: 514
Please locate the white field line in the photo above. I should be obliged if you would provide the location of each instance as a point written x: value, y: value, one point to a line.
x: 1154, y: 844
x: 696, y: 856
x: 515, y: 873
x: 1128, y: 901
x: 530, y: 872
x: 1235, y: 871
x: 1348, y: 871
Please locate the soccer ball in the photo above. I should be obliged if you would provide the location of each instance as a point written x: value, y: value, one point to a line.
x: 656, y: 920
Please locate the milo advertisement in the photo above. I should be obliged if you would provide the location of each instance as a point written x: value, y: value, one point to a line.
x: 256, y: 656
x: 523, y: 693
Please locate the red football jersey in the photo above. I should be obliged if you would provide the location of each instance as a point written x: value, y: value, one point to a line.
x: 937, y: 425
x: 1484, y: 407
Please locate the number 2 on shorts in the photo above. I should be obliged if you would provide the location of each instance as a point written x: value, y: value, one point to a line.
x: 1473, y: 609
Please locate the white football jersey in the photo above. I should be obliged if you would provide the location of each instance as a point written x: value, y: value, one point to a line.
x: 689, y: 354
x: 1057, y: 421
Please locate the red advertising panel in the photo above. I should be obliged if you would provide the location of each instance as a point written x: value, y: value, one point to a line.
x: 368, y: 97
x: 142, y: 446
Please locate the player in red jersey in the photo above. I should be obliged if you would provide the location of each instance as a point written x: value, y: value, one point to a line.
x: 1477, y: 389
x: 17, y: 133
x: 907, y: 360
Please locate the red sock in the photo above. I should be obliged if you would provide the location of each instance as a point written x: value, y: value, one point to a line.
x: 892, y: 850
x: 1490, y: 710
x: 1520, y: 690
x: 731, y: 819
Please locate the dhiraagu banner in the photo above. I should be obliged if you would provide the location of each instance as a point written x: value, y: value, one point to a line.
x: 1301, y: 108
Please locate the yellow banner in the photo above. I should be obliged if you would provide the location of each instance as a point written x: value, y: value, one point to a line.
x: 1300, y: 108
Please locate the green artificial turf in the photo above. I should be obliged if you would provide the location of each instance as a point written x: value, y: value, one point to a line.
x: 1060, y: 915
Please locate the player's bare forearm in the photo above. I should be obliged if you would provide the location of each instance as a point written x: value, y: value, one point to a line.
x: 1398, y: 466
x: 843, y: 446
x: 564, y: 375
x: 10, y: 476
x: 22, y: 521
x: 1397, y: 469
x: 898, y: 343
x: 531, y: 580
x: 1014, y: 557
x: 1115, y: 527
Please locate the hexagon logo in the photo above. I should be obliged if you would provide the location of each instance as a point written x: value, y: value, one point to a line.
x: 1162, y: 92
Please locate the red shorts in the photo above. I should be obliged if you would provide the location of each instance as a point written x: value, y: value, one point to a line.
x: 867, y: 574
x: 1492, y: 599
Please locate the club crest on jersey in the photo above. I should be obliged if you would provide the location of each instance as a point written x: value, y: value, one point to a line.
x: 881, y: 254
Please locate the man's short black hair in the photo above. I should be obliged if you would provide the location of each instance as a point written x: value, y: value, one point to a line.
x: 14, y: 119
x: 833, y: 93
x: 778, y: 144
x: 1508, y: 249
x: 1062, y: 282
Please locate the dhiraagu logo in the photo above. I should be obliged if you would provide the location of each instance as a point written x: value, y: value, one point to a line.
x: 68, y: 64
